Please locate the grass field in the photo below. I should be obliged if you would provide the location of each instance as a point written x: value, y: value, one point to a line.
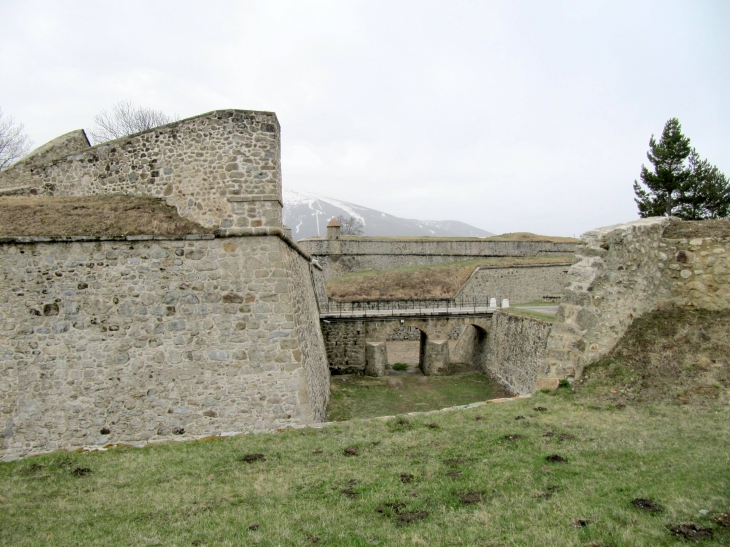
x: 422, y: 282
x: 649, y: 422
x: 365, y: 397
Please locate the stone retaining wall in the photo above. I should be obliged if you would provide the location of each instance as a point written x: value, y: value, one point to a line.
x: 518, y: 283
x: 349, y: 254
x: 516, y: 349
x: 114, y: 341
x: 221, y: 169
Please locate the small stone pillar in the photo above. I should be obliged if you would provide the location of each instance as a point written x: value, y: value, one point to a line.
x: 376, y: 358
x: 492, y: 302
x: 333, y: 229
x: 435, y: 359
x: 505, y: 302
x: 333, y: 236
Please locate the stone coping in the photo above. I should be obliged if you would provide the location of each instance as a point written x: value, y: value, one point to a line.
x: 318, y: 425
x: 238, y: 232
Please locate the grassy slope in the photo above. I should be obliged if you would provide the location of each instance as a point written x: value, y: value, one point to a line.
x: 109, y: 215
x: 620, y: 446
x: 423, y: 281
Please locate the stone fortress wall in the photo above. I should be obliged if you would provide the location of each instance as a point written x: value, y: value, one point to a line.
x: 150, y: 338
x: 348, y: 254
x: 221, y: 169
x: 622, y: 272
x: 517, y: 284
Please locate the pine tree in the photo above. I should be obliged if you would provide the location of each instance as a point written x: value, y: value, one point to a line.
x: 694, y: 190
x: 670, y: 173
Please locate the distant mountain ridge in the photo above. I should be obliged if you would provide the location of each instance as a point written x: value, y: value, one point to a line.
x: 307, y: 215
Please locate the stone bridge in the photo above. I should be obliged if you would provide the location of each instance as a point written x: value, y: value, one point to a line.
x: 356, y: 341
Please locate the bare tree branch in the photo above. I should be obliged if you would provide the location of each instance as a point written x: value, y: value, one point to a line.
x: 125, y: 119
x: 14, y: 143
x: 350, y: 226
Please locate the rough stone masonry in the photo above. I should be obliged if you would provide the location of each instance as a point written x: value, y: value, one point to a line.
x: 149, y: 338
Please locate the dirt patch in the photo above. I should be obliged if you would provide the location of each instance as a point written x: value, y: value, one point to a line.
x: 251, y: 458
x: 723, y: 519
x: 692, y: 229
x: 471, y: 497
x: 647, y: 504
x: 348, y: 492
x: 690, y: 531
x: 405, y: 478
x: 454, y: 474
x: 254, y: 527
x: 106, y: 215
x: 433, y: 426
x: 581, y: 523
x: 410, y: 516
x: 351, y: 451
x: 512, y: 437
x: 81, y: 472
x: 540, y: 409
x: 554, y: 458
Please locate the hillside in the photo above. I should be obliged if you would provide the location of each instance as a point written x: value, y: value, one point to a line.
x: 676, y: 355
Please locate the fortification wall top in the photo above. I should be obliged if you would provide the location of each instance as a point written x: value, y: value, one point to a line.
x: 434, y: 247
x: 221, y: 169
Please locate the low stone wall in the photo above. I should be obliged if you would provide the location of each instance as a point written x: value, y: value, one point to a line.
x: 117, y: 341
x: 221, y: 169
x: 350, y: 254
x: 518, y: 284
x: 516, y: 350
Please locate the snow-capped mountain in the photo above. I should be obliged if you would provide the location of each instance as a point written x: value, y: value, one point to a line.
x: 307, y: 215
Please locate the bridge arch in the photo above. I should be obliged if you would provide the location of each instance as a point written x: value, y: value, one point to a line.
x: 434, y: 354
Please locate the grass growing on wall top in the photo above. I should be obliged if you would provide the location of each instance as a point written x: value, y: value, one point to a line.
x: 103, y: 215
x: 427, y: 281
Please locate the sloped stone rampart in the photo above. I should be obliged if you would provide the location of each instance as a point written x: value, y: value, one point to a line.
x: 114, y: 341
x: 221, y: 169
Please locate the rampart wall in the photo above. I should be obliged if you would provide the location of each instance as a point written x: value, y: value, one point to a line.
x: 221, y: 169
x: 518, y: 284
x: 119, y: 341
x: 622, y: 272
x: 149, y: 338
x: 349, y: 254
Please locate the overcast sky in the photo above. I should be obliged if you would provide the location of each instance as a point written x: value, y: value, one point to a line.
x: 511, y: 116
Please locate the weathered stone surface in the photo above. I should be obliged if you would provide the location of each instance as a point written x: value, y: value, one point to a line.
x: 344, y: 255
x: 624, y: 271
x: 516, y: 284
x: 198, y: 165
x: 96, y: 357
